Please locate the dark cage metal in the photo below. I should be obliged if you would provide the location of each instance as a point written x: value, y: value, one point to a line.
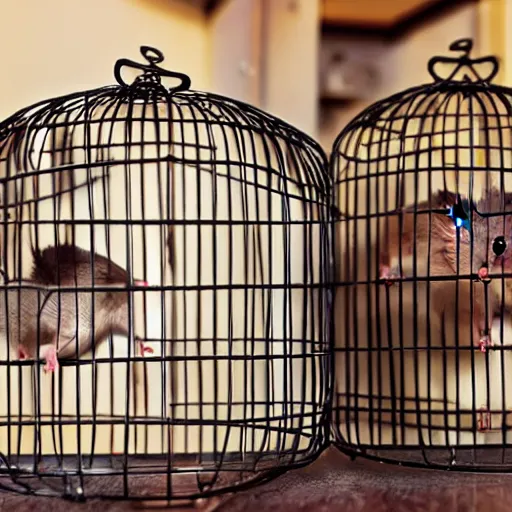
x: 423, y: 183
x: 192, y: 351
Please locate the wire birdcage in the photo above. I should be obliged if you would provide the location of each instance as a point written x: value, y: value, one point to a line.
x: 217, y: 216
x: 422, y: 181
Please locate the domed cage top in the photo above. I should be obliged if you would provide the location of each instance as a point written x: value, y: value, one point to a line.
x: 423, y: 182
x: 193, y: 350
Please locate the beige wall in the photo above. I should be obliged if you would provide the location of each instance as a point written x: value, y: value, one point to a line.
x: 508, y: 43
x: 492, y: 32
x: 291, y: 68
x: 234, y: 50
x: 409, y: 56
x: 55, y: 47
x: 265, y: 52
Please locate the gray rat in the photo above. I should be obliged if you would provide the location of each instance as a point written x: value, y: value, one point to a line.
x: 67, y: 315
x: 19, y: 304
x: 449, y: 239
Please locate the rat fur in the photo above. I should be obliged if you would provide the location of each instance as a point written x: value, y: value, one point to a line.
x: 67, y: 318
x: 443, y: 249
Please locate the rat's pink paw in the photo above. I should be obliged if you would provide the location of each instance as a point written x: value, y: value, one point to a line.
x: 388, y: 275
x: 52, y: 362
x: 485, y: 342
x: 22, y: 353
x: 384, y: 272
x: 144, y: 348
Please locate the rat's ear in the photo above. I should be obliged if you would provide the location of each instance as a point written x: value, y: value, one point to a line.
x: 439, y: 199
x: 447, y: 198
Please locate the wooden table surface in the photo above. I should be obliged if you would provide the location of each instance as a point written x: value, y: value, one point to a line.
x: 332, y: 483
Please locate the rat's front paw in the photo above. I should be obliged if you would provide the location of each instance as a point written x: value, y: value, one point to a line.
x: 485, y: 342
x: 389, y: 275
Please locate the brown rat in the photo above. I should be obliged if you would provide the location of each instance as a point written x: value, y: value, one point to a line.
x: 66, y: 315
x: 449, y: 240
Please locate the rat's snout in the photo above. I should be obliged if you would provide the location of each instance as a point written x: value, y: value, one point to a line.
x: 140, y: 282
x: 483, y: 272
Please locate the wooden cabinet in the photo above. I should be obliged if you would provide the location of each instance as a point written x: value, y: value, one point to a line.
x: 374, y: 13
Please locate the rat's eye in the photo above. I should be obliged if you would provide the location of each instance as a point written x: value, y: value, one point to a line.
x: 499, y: 245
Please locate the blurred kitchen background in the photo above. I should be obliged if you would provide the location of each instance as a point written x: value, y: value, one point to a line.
x: 315, y: 63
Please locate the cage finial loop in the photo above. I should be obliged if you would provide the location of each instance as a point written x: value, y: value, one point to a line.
x: 152, y: 73
x: 465, y: 64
